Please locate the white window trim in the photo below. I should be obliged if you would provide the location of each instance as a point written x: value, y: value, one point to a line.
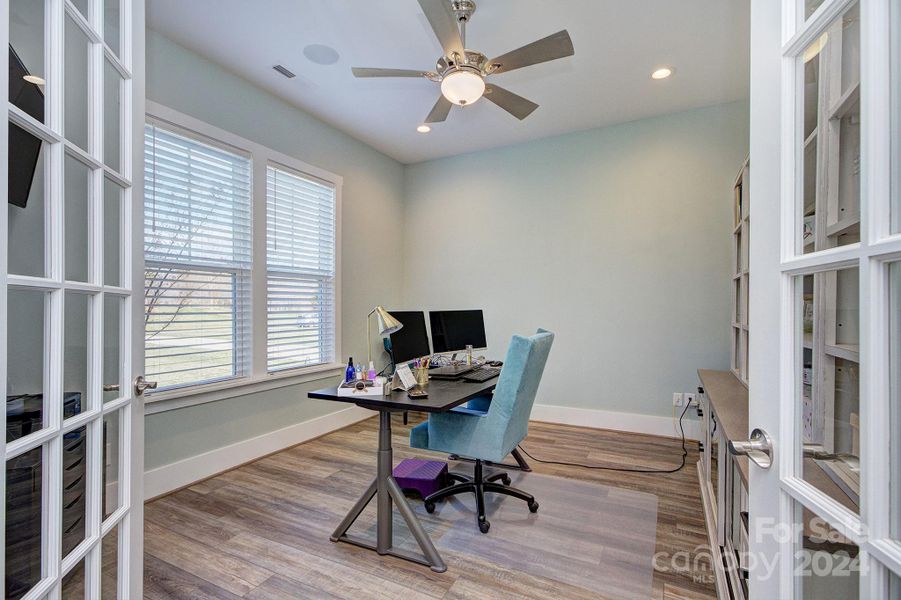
x: 258, y: 379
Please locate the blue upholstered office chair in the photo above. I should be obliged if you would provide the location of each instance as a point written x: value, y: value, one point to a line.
x: 481, y: 404
x: 491, y: 435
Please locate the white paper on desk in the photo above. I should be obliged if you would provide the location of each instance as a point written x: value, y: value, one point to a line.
x: 406, y: 376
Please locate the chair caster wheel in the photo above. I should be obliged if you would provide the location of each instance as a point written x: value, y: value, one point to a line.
x: 430, y: 507
x: 484, y: 526
x: 533, y: 507
x: 505, y: 480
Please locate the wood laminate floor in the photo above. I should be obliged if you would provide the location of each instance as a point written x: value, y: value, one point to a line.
x: 257, y: 531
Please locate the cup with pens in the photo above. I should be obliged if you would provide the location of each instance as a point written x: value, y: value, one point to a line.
x: 421, y: 368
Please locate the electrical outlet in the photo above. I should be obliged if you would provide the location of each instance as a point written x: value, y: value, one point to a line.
x: 689, y: 398
x: 677, y: 399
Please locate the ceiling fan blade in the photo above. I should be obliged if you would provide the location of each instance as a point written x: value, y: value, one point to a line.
x: 444, y: 23
x: 439, y: 111
x: 557, y: 45
x: 514, y: 104
x: 366, y: 72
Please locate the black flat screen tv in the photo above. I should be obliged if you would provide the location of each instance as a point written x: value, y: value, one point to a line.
x: 24, y: 148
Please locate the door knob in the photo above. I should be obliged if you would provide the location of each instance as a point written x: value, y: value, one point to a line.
x: 141, y: 385
x: 759, y: 448
x: 110, y: 387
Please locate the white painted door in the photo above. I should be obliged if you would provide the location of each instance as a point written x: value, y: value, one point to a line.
x: 70, y: 262
x: 825, y: 297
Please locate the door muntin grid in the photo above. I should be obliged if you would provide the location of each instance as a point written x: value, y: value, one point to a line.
x: 868, y: 248
x: 79, y: 504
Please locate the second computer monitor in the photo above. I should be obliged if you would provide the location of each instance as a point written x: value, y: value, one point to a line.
x: 453, y: 330
x: 411, y: 341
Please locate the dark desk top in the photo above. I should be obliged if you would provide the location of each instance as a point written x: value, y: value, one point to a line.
x: 443, y: 396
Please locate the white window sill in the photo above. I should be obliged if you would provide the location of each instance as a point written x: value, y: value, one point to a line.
x: 157, y: 402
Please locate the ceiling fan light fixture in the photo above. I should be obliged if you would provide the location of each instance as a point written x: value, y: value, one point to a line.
x: 462, y: 87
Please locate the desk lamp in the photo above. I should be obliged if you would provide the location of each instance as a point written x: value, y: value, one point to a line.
x: 386, y: 324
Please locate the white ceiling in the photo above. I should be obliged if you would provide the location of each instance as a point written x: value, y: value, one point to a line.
x: 618, y: 43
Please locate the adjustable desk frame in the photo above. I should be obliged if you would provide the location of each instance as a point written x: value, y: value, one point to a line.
x: 443, y: 396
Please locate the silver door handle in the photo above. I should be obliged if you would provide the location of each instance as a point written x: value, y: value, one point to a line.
x: 110, y: 387
x: 759, y: 448
x: 141, y: 385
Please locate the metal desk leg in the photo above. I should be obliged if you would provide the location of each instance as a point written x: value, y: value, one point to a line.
x: 385, y: 488
x: 520, y: 461
x: 385, y: 467
x: 358, y: 508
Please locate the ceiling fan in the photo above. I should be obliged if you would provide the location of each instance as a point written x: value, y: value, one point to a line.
x: 462, y: 72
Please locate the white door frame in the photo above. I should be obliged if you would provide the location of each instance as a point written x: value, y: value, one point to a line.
x: 4, y: 218
x: 135, y: 140
x: 779, y: 36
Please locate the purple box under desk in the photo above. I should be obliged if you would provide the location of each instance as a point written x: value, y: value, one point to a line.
x: 424, y: 476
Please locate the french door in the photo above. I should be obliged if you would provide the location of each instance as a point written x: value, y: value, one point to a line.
x: 71, y: 275
x: 826, y: 298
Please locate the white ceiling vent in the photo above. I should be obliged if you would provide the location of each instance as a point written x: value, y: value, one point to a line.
x: 284, y: 71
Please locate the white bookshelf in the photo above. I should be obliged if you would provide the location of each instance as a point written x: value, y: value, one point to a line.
x: 741, y: 232
x: 830, y: 346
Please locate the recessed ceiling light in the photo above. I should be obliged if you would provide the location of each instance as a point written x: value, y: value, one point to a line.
x: 34, y: 79
x: 321, y: 54
x: 423, y: 129
x: 662, y: 73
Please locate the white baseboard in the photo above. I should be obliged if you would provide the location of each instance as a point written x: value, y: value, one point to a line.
x: 167, y: 478
x: 173, y: 476
x: 619, y: 421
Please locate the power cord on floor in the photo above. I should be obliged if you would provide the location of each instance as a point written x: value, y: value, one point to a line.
x: 623, y: 469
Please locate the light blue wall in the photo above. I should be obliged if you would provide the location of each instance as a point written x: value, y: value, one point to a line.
x: 372, y: 200
x: 617, y: 239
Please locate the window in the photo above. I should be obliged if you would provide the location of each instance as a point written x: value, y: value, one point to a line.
x: 241, y: 263
x: 300, y: 270
x: 197, y: 250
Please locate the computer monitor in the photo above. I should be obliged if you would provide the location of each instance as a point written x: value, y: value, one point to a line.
x: 412, y: 340
x: 453, y: 330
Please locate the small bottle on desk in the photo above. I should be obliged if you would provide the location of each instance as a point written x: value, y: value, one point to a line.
x: 350, y: 373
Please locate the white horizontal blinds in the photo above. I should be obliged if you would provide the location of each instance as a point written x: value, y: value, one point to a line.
x: 197, y: 250
x: 197, y: 202
x: 300, y: 260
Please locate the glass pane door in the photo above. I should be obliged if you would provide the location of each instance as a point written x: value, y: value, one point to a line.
x: 836, y: 480
x: 65, y: 270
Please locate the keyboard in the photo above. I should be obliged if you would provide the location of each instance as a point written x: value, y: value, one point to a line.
x: 482, y: 374
x: 450, y: 371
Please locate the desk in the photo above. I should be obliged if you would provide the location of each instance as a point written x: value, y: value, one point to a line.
x: 443, y: 396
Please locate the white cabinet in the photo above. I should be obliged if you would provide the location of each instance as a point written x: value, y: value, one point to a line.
x: 724, y: 479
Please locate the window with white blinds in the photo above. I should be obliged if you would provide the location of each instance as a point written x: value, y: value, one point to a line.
x: 300, y: 270
x: 197, y: 251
